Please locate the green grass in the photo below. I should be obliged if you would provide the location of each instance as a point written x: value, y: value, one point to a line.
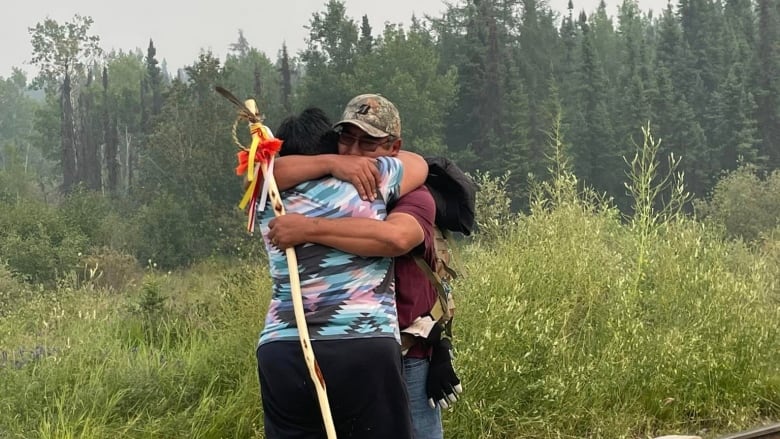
x: 563, y: 333
x: 572, y: 324
x: 173, y: 359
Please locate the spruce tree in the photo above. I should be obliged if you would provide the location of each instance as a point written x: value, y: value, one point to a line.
x: 286, y: 76
x: 153, y: 79
x: 366, y: 42
x: 597, y: 161
x: 767, y: 93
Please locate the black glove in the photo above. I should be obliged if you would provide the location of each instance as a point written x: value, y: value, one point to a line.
x: 442, y: 385
x: 434, y: 337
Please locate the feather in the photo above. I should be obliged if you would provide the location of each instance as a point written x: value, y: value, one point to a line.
x: 243, y: 111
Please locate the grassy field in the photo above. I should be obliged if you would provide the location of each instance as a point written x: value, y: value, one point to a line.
x: 572, y: 322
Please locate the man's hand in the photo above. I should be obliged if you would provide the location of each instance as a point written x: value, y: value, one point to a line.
x: 289, y: 230
x: 362, y: 172
x: 442, y: 385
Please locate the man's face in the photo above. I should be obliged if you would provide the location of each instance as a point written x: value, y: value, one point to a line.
x: 354, y: 141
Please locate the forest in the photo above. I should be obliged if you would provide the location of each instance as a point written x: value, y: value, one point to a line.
x: 486, y: 84
x: 627, y: 165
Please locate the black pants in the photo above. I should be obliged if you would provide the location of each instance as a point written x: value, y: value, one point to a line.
x: 364, y: 380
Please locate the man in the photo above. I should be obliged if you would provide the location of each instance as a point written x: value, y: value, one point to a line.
x: 349, y: 304
x: 370, y: 127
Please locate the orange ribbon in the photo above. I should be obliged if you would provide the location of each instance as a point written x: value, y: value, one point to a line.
x: 265, y: 151
x: 264, y: 148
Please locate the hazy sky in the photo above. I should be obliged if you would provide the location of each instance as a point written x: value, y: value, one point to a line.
x: 181, y: 29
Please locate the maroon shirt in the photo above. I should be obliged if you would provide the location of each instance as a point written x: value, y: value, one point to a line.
x: 415, y: 296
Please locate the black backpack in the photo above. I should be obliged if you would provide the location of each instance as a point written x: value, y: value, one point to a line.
x: 455, y: 195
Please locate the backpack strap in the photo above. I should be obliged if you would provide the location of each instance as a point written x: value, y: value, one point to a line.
x: 439, y: 309
x: 454, y: 256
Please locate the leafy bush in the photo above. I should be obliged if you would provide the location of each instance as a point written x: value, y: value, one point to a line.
x: 11, y: 290
x: 38, y: 243
x: 16, y: 185
x: 166, y: 236
x: 744, y: 204
x: 493, y: 206
x: 85, y: 211
x: 117, y: 232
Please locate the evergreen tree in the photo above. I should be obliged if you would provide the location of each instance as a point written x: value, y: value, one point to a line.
x: 539, y: 54
x: 741, y: 29
x: 366, y: 42
x: 413, y: 82
x: 767, y: 94
x: 478, y: 34
x: 605, y: 41
x: 257, y: 82
x: 253, y: 74
x: 286, y: 75
x: 241, y: 47
x: 153, y: 80
x: 596, y: 159
x: 737, y: 133
x: 702, y: 30
x: 515, y: 153
x: 463, y: 36
x: 570, y: 37
x: 633, y: 98
x: 329, y: 59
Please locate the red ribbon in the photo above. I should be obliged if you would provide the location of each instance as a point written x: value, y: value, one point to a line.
x: 269, y: 148
x: 265, y: 150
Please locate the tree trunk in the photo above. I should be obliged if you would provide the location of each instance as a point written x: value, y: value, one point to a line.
x: 112, y: 161
x: 110, y: 140
x: 87, y: 162
x: 67, y: 138
x: 128, y: 161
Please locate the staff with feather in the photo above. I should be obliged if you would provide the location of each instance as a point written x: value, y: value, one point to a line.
x: 262, y: 150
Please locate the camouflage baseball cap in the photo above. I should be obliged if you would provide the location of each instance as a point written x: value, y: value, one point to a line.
x: 373, y: 114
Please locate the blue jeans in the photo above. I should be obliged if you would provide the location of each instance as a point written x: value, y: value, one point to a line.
x: 425, y: 420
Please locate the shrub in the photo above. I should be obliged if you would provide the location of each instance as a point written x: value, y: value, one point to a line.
x: 11, y: 290
x: 744, y: 204
x: 166, y: 236
x: 493, y: 206
x: 37, y: 242
x: 85, y: 210
x: 110, y: 269
x: 16, y: 185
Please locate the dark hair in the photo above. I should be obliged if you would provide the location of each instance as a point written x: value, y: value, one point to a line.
x: 309, y: 133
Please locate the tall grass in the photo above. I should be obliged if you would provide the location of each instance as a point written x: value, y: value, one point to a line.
x: 579, y: 323
x: 173, y: 359
x: 573, y: 321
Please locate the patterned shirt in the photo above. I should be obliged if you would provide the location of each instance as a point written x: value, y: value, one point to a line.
x: 344, y: 296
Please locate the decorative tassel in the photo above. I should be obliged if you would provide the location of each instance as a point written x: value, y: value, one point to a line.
x: 263, y: 149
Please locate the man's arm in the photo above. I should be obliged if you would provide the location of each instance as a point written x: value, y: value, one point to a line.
x: 362, y: 172
x: 415, y: 171
x: 402, y: 231
x: 397, y: 235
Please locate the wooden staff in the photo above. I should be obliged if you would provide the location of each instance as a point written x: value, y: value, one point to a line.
x: 295, y: 286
